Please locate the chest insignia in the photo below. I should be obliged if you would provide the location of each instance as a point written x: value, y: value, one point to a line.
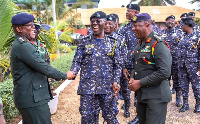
x: 145, y: 50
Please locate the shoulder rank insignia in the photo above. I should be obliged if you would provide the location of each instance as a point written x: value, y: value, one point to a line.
x: 21, y: 40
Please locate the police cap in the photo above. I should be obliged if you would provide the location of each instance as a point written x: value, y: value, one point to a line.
x: 22, y: 18
x: 141, y: 17
x: 191, y: 14
x: 133, y: 7
x: 171, y: 16
x: 98, y: 14
x: 184, y: 15
x: 188, y: 21
x: 111, y: 18
x: 115, y: 15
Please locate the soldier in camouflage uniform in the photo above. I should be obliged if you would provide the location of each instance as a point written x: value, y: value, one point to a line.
x: 188, y: 64
x: 172, y: 36
x: 98, y: 57
x: 130, y: 40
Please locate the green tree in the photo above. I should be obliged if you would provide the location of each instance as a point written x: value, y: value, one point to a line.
x: 155, y: 2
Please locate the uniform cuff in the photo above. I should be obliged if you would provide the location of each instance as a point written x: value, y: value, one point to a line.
x: 144, y: 81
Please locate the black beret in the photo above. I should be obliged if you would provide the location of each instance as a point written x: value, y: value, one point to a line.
x: 187, y: 20
x: 141, y: 17
x: 111, y: 18
x: 171, y: 16
x: 191, y: 14
x: 115, y: 15
x: 133, y: 7
x: 98, y: 14
x: 184, y: 15
x: 22, y: 18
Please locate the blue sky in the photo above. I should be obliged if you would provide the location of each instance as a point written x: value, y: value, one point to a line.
x: 118, y: 3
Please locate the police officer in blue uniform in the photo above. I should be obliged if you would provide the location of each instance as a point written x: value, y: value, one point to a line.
x: 184, y: 15
x: 172, y: 36
x: 30, y: 73
x: 150, y: 73
x: 192, y: 15
x: 130, y: 40
x: 98, y: 57
x: 188, y: 63
x: 109, y: 30
x: 116, y: 22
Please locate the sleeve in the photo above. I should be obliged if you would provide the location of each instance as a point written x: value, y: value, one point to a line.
x: 163, y: 62
x: 199, y: 56
x: 117, y: 64
x: 77, y: 58
x: 28, y: 54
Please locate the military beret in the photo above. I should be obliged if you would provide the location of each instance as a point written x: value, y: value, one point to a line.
x: 187, y: 20
x: 111, y: 18
x: 141, y: 17
x: 22, y: 18
x: 191, y: 14
x: 171, y: 16
x: 98, y: 14
x: 184, y: 15
x: 133, y: 7
x: 115, y: 15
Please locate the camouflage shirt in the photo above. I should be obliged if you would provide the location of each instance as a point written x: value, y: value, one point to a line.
x: 100, y: 64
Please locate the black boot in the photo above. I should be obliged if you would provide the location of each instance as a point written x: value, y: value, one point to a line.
x: 178, y: 98
x: 134, y: 121
x: 185, y: 106
x: 197, y: 106
x: 126, y: 110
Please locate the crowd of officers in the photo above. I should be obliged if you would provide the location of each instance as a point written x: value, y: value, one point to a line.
x: 110, y: 53
x: 112, y: 62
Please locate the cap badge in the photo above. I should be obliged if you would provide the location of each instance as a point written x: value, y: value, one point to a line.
x: 134, y: 18
x: 98, y: 15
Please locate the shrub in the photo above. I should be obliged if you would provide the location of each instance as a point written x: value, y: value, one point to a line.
x: 6, y: 93
x: 73, y: 47
x: 64, y: 48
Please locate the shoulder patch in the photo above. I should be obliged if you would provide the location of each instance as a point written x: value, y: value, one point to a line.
x: 157, y: 37
x: 21, y: 40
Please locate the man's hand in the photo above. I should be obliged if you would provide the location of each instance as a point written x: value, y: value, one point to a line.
x: 70, y: 75
x: 116, y: 88
x: 126, y: 73
x: 134, y: 85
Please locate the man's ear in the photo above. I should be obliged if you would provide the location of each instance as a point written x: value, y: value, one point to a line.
x: 19, y: 29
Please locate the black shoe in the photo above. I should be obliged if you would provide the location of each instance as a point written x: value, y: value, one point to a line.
x: 173, y: 91
x: 197, y: 108
x: 184, y: 108
x: 134, y: 121
x: 123, y: 107
x: 121, y: 97
x: 126, y: 113
x: 178, y: 102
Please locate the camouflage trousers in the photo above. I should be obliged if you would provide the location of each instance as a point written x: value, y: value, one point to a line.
x: 90, y: 105
x: 125, y: 92
x: 174, y: 74
x: 187, y: 70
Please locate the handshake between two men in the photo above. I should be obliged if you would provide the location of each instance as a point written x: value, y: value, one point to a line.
x: 71, y: 75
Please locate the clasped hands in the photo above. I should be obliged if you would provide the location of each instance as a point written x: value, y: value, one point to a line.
x: 70, y: 75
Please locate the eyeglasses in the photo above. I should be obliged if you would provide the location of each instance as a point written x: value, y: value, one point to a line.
x: 37, y: 27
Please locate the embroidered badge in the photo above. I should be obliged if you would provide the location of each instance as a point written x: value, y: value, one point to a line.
x: 134, y: 18
x: 98, y: 15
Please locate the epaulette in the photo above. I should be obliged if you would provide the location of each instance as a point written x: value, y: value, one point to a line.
x: 21, y: 40
x: 157, y: 37
x: 87, y: 37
